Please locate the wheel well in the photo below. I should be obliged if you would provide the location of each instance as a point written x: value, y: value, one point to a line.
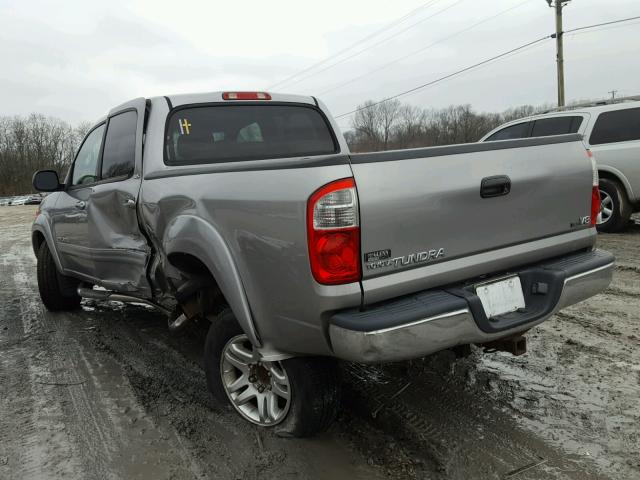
x: 614, y: 178
x: 198, y: 273
x: 189, y: 264
x: 37, y: 238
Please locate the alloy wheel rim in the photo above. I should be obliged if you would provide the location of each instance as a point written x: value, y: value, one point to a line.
x: 606, y: 208
x: 259, y: 390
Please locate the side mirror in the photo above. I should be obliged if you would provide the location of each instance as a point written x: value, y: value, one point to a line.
x: 46, y: 181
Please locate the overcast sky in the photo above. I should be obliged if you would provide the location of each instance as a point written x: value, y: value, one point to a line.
x: 76, y: 59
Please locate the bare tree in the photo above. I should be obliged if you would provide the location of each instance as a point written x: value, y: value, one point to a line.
x: 33, y: 143
x: 374, y: 124
x: 388, y: 114
x: 394, y: 125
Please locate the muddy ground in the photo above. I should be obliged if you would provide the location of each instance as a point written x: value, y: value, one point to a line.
x: 106, y: 392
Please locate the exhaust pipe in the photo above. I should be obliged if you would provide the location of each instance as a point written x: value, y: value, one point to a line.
x: 516, y: 345
x: 108, y: 295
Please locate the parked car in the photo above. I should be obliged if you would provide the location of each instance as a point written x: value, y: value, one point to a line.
x: 33, y: 200
x: 250, y: 213
x: 18, y: 201
x: 612, y: 133
x: 4, y: 201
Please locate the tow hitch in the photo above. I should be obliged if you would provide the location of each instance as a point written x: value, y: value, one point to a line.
x: 516, y: 345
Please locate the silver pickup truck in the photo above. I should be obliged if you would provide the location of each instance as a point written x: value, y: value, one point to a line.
x: 246, y: 210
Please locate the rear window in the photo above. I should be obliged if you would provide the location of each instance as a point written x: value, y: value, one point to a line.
x: 616, y: 126
x: 231, y: 133
x: 556, y: 126
x: 118, y: 158
x: 519, y: 130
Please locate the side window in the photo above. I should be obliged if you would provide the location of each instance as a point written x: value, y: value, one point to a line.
x: 119, y: 154
x: 616, y: 126
x: 519, y: 130
x: 555, y: 126
x: 85, y: 167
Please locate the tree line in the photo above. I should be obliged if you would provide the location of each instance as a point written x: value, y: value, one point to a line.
x: 35, y: 142
x: 394, y: 125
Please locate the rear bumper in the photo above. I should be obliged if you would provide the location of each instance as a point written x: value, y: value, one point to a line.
x: 427, y: 322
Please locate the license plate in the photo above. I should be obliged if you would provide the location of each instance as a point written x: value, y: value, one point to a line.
x: 503, y: 296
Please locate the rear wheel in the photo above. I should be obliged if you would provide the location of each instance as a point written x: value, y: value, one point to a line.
x: 58, y: 292
x: 615, y: 209
x: 298, y: 396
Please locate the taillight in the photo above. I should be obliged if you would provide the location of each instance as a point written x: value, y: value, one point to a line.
x: 246, y: 96
x: 333, y: 233
x: 595, y: 190
x: 595, y: 205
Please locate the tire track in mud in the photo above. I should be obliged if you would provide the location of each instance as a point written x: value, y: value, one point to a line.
x: 32, y: 434
x: 60, y: 420
x: 453, y: 425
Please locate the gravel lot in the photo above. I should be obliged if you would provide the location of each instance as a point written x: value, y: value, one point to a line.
x: 106, y: 392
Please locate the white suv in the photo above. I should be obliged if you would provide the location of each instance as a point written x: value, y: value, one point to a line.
x: 612, y: 132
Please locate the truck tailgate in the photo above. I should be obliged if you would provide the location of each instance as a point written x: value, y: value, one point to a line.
x: 425, y: 206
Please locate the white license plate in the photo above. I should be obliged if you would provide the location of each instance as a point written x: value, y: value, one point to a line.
x: 503, y: 296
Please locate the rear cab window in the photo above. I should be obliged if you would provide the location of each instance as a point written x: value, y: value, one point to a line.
x: 616, y: 126
x: 232, y: 133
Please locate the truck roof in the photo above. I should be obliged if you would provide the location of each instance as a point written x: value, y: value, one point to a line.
x: 209, y: 97
x: 213, y: 97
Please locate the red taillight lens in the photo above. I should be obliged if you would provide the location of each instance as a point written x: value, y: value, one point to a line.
x: 333, y: 233
x: 595, y: 204
x: 246, y: 96
x: 595, y: 190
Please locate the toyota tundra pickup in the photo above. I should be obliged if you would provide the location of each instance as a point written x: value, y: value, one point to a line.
x: 246, y: 210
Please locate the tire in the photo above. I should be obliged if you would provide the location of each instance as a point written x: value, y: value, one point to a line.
x: 618, y: 209
x: 57, y: 291
x: 311, y: 383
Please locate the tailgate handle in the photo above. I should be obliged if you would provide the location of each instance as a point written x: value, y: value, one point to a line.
x: 495, y: 186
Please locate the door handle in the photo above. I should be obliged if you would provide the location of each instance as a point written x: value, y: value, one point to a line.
x: 80, y: 205
x: 495, y: 186
x: 130, y: 203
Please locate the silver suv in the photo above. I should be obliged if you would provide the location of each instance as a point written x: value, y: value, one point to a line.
x: 612, y: 132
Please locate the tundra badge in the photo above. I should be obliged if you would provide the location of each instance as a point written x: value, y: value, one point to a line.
x: 374, y: 260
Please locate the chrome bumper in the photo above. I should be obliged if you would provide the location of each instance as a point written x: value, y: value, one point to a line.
x: 428, y: 335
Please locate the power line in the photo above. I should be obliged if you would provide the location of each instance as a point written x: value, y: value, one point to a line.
x: 384, y: 40
x: 602, y: 29
x: 362, y: 40
x: 602, y: 24
x: 483, y: 62
x: 438, y: 80
x: 420, y: 50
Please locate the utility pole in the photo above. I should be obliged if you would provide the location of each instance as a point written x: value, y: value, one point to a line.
x: 559, y: 4
x: 613, y: 94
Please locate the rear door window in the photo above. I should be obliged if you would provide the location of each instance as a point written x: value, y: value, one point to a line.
x: 519, y: 130
x: 119, y: 154
x: 231, y: 133
x: 616, y: 126
x: 545, y: 127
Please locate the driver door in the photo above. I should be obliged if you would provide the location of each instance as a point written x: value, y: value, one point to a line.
x: 69, y: 216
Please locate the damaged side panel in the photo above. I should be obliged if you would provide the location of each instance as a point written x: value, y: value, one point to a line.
x: 119, y: 249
